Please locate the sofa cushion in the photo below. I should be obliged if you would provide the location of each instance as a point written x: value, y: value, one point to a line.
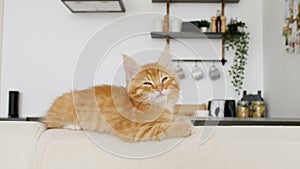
x: 229, y: 147
x: 18, y: 141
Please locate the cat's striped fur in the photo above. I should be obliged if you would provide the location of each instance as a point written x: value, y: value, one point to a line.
x: 141, y: 111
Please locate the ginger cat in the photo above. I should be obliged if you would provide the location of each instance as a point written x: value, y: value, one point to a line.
x: 141, y: 111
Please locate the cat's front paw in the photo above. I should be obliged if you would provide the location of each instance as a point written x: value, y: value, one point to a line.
x: 72, y: 127
x: 188, y: 128
x: 181, y: 128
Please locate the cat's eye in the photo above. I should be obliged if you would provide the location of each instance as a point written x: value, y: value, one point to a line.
x: 147, y: 84
x: 164, y: 79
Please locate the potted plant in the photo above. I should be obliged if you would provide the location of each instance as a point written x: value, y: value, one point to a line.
x: 237, y: 39
x: 204, y: 25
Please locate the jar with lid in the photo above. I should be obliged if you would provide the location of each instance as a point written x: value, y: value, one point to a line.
x: 243, y: 109
x: 258, y: 109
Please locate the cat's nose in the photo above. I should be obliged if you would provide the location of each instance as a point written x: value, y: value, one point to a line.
x: 159, y: 89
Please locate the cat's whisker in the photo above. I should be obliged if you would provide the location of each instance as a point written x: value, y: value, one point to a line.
x: 144, y: 105
x: 143, y: 100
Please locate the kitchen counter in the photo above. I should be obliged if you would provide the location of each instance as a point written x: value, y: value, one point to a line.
x: 231, y: 121
x: 210, y: 121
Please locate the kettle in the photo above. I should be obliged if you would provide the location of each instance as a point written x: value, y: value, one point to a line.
x: 222, y: 108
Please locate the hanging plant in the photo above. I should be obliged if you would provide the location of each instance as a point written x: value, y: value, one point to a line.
x: 237, y: 39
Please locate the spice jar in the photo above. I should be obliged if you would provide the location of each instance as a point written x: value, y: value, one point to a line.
x: 243, y: 109
x: 223, y: 27
x: 258, y: 109
x: 213, y: 24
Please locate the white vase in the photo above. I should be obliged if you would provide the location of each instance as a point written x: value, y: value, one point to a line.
x: 204, y: 29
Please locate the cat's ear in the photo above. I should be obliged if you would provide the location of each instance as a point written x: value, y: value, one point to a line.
x: 165, y: 59
x: 130, y: 66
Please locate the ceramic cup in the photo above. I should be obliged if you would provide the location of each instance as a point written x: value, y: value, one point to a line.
x: 214, y: 73
x: 197, y: 73
x: 179, y: 71
x: 216, y: 107
x: 175, y: 25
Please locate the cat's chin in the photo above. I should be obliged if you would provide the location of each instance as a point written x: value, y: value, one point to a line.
x: 160, y: 100
x: 160, y: 104
x: 166, y: 106
x: 163, y: 104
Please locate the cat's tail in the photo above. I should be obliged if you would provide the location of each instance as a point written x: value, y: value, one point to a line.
x: 50, y: 122
x: 61, y: 112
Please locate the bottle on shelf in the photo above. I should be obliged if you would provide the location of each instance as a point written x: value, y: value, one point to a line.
x: 218, y: 21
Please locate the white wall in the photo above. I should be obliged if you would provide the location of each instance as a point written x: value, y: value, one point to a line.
x: 42, y: 41
x: 281, y: 70
x: 1, y: 29
x: 1, y: 24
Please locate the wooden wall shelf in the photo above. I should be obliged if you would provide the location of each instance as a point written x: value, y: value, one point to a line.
x: 195, y: 1
x: 194, y: 35
x: 223, y: 61
x: 188, y: 35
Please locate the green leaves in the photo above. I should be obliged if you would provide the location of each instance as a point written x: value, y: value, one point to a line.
x: 239, y: 42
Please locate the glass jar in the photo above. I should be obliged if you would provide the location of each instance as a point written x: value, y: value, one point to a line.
x: 243, y: 109
x: 258, y: 109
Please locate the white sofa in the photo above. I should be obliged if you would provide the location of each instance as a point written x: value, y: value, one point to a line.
x: 28, y: 145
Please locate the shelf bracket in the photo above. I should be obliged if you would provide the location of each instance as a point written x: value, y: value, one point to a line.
x: 223, y: 39
x: 167, y: 22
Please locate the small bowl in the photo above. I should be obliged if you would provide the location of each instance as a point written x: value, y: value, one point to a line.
x: 202, y: 113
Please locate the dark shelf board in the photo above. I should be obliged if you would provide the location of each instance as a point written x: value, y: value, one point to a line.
x: 223, y: 61
x: 187, y: 35
x: 12, y: 119
x: 196, y: 1
x: 227, y: 121
x: 22, y: 119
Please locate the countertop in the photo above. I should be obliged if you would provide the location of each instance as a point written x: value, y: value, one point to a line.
x: 210, y: 121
